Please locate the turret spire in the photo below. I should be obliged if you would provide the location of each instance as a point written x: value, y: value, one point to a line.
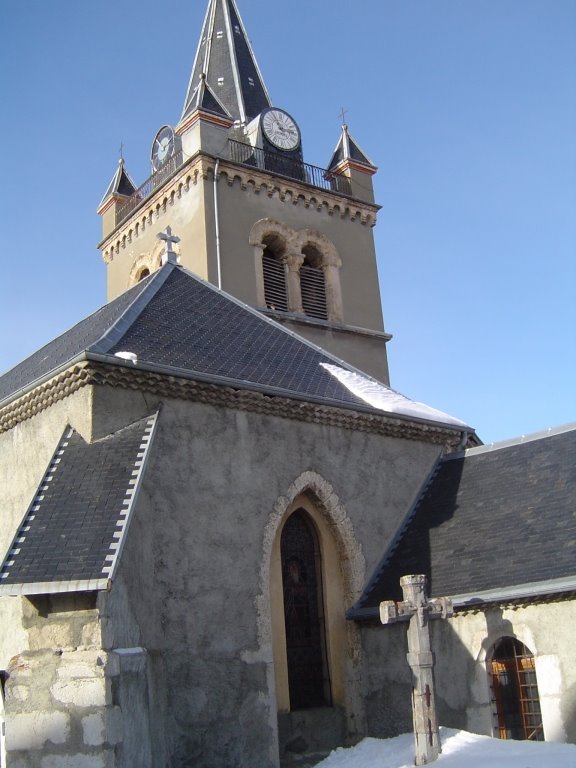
x: 225, y: 66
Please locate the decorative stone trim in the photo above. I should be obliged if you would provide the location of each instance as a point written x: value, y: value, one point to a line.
x: 202, y: 167
x: 151, y: 261
x: 290, y: 247
x: 93, y: 373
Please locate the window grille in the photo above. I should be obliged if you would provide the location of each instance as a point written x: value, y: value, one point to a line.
x: 308, y: 679
x: 274, y: 281
x: 515, y: 698
x: 313, y: 289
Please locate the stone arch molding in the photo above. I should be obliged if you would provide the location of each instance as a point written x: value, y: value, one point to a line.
x: 291, y: 245
x: 266, y: 227
x: 329, y: 507
x: 344, y: 570
x: 150, y: 260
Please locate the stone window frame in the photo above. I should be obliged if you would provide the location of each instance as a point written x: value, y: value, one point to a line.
x: 320, y: 614
x: 151, y: 261
x: 292, y: 245
x: 344, y: 574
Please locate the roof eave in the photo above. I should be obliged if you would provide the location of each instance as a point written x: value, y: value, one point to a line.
x: 81, y: 357
x: 53, y: 587
x: 477, y: 600
x: 223, y: 381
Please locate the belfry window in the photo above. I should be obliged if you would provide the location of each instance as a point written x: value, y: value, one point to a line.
x: 274, y: 271
x: 515, y: 699
x: 308, y: 679
x: 313, y: 285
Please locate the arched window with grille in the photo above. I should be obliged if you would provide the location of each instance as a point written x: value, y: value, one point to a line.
x: 274, y: 273
x: 308, y: 678
x: 313, y: 284
x: 515, y: 698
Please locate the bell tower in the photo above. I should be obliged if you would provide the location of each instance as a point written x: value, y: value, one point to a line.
x: 288, y: 238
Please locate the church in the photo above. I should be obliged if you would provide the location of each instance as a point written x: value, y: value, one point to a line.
x: 208, y: 486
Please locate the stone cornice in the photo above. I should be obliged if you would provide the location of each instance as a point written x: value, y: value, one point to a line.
x: 202, y: 167
x: 88, y: 373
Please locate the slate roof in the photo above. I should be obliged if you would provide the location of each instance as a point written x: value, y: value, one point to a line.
x: 497, y: 522
x: 225, y: 59
x: 120, y: 184
x: 348, y: 149
x: 73, y: 531
x: 177, y: 324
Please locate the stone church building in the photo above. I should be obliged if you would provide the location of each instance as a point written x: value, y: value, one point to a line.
x: 207, y: 487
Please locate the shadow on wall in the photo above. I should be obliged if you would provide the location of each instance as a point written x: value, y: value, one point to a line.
x: 388, y: 687
x: 569, y: 714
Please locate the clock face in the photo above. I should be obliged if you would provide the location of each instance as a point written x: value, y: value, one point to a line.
x: 163, y: 146
x: 280, y: 129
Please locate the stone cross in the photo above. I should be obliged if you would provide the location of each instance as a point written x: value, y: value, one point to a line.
x: 416, y: 609
x: 169, y: 256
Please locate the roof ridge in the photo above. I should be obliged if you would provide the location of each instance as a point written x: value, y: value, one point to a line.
x: 112, y: 336
x: 396, y: 538
x: 513, y: 441
x: 276, y: 324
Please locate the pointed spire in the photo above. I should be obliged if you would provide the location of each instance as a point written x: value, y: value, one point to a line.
x: 348, y: 151
x: 120, y: 184
x: 225, y: 76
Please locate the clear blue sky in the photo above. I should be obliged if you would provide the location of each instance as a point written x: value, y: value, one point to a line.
x: 468, y: 107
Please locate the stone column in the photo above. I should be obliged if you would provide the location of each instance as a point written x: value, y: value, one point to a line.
x: 293, y: 262
x: 333, y: 292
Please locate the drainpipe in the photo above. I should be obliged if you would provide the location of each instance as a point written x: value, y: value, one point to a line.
x: 463, y: 441
x: 217, y: 224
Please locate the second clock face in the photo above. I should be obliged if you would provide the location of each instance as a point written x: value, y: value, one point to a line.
x: 280, y: 129
x: 163, y: 146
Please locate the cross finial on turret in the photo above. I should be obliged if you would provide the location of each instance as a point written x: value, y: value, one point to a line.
x: 342, y: 116
x: 169, y: 256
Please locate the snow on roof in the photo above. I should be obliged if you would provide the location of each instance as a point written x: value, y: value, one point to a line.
x: 385, y: 399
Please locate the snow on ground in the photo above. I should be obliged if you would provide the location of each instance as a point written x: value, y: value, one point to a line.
x: 459, y: 750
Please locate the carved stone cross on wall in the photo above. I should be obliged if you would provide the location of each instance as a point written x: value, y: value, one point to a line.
x: 419, y: 611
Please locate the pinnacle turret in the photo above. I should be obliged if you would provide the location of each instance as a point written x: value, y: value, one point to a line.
x: 347, y: 149
x: 225, y: 67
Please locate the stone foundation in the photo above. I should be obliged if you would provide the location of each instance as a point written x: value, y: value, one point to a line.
x: 59, y: 711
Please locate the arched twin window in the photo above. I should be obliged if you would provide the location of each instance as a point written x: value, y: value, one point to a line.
x: 299, y: 271
x: 515, y: 698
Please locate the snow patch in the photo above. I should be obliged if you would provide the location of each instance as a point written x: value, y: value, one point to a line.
x: 131, y: 356
x: 460, y: 749
x: 385, y: 399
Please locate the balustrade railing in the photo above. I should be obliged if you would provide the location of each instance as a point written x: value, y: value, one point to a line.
x: 245, y: 154
x: 150, y: 185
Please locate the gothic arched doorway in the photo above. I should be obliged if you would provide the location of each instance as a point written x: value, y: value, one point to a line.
x: 308, y: 678
x: 515, y: 698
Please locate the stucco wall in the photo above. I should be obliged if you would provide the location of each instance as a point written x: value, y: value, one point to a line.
x: 189, y: 586
x: 187, y: 619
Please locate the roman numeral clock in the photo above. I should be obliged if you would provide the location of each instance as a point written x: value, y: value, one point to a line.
x: 280, y: 129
